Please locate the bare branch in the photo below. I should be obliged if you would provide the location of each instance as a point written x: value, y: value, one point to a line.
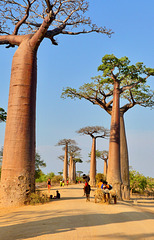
x: 23, y: 19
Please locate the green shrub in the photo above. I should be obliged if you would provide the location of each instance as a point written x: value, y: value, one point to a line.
x: 42, y: 178
x: 57, y: 178
x: 99, y: 176
x: 38, y: 197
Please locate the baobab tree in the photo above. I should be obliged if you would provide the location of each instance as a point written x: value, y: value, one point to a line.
x: 104, y: 156
x: 94, y: 132
x: 75, y: 161
x: 132, y: 88
x: 79, y: 173
x: 66, y: 143
x: 25, y: 24
x: 73, y: 152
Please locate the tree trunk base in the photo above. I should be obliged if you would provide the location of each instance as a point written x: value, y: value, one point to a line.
x: 92, y: 183
x: 15, y: 191
x: 117, y: 188
x: 125, y: 189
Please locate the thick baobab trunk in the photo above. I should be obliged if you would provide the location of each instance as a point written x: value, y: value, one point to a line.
x: 93, y: 163
x: 71, y: 170
x: 18, y: 169
x: 113, y: 173
x: 65, y: 170
x: 124, y: 160
x: 105, y: 168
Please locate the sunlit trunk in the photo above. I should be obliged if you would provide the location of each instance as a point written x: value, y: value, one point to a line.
x: 93, y: 163
x: 65, y: 170
x: 124, y: 160
x: 113, y: 173
x: 71, y: 167
x: 105, y: 168
x: 74, y: 172
x: 18, y: 169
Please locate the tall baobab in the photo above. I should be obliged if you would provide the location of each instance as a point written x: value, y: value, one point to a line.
x: 75, y: 161
x: 94, y: 132
x: 25, y: 24
x: 73, y: 153
x: 66, y: 143
x: 133, y: 89
x: 104, y: 156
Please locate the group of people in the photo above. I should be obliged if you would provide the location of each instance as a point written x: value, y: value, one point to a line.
x: 104, y: 185
x: 49, y: 186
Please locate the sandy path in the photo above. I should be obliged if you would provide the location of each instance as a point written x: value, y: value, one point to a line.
x: 73, y: 218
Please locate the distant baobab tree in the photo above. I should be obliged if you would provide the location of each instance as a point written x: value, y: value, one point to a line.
x: 130, y: 83
x: 79, y: 173
x: 74, y: 152
x: 75, y: 161
x: 25, y: 24
x: 60, y: 173
x: 104, y: 156
x: 66, y: 143
x: 94, y: 132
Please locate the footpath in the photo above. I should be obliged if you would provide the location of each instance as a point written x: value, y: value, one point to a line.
x: 72, y: 218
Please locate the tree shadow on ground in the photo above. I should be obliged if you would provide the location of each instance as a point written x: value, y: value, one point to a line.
x: 52, y: 224
x: 126, y: 237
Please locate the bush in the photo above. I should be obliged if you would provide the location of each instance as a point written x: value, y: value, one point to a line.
x: 38, y: 197
x: 57, y: 178
x: 99, y: 176
x: 42, y: 178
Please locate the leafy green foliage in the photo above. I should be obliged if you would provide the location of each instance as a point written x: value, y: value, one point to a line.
x: 99, y: 176
x: 50, y: 175
x: 38, y: 163
x: 57, y: 178
x: 2, y: 115
x: 132, y: 79
x: 138, y: 182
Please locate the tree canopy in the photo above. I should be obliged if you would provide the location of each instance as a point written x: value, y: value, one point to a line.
x: 26, y: 16
x: 133, y: 85
x: 94, y: 131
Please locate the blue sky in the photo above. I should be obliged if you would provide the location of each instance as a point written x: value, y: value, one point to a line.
x: 72, y: 63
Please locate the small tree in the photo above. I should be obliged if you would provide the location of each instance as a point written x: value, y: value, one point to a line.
x: 138, y: 182
x: 60, y: 173
x: 38, y: 163
x: 94, y: 132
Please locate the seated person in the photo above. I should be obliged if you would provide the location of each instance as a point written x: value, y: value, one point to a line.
x: 100, y: 183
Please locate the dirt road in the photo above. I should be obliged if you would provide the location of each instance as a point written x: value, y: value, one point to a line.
x: 73, y: 218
